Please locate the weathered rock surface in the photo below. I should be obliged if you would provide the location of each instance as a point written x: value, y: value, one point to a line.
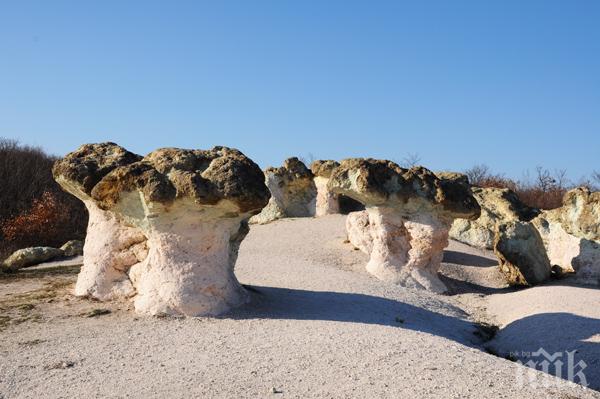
x: 570, y: 235
x: 455, y: 177
x: 164, y: 229
x: 29, y: 257
x: 327, y: 203
x: 358, y: 229
x: 293, y: 192
x: 521, y: 253
x: 409, y: 214
x: 580, y: 213
x: 72, y: 248
x: 498, y: 206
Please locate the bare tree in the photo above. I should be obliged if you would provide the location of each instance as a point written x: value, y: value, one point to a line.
x: 307, y: 160
x: 586, y: 182
x: 477, y: 174
x: 544, y: 180
x: 596, y: 177
x: 411, y: 160
x: 560, y: 176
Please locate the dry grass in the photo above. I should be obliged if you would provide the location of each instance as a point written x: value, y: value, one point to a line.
x: 21, y: 307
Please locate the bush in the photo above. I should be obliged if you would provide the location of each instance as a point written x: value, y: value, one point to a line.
x: 34, y: 210
x: 544, y: 191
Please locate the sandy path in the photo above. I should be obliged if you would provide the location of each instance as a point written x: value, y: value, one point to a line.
x: 318, y: 326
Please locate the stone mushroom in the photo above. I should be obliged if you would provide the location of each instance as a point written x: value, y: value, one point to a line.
x: 409, y: 214
x: 327, y: 202
x: 111, y: 247
x: 293, y: 192
x: 191, y: 207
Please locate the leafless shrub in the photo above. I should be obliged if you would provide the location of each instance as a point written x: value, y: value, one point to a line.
x: 411, y: 160
x: 477, y: 174
x: 596, y: 179
x: 26, y: 182
x: 544, y: 191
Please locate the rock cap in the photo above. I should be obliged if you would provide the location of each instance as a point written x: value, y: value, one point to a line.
x: 86, y: 166
x: 323, y: 168
x: 292, y: 169
x: 381, y: 182
x: 105, y: 171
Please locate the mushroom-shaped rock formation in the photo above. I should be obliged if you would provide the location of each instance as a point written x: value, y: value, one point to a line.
x: 293, y: 192
x: 176, y: 219
x: 498, y: 206
x: 327, y: 203
x: 110, y: 248
x: 571, y: 235
x: 409, y: 215
x: 521, y: 252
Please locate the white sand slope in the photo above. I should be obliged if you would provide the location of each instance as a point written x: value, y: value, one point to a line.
x: 318, y: 326
x: 556, y: 317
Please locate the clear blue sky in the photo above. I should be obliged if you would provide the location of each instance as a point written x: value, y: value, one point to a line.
x: 512, y: 84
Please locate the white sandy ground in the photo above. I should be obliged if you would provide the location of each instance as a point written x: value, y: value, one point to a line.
x: 318, y: 326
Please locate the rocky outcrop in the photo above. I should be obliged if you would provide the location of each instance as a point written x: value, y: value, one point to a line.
x: 72, y: 248
x: 521, y: 252
x: 409, y: 214
x: 498, y: 206
x: 293, y: 192
x: 570, y: 235
x: 163, y: 229
x: 27, y: 257
x: 580, y: 213
x: 327, y: 203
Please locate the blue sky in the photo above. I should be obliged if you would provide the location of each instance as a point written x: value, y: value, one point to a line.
x: 513, y: 84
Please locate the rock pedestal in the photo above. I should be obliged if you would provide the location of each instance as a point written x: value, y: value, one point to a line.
x: 408, y: 214
x: 293, y: 192
x: 327, y: 202
x: 164, y: 230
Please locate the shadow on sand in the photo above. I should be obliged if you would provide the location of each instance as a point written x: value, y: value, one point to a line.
x: 293, y: 304
x: 456, y: 286
x: 461, y: 258
x: 556, y: 333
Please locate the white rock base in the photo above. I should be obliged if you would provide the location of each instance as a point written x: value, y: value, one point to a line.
x: 327, y: 203
x: 359, y: 231
x: 178, y: 262
x: 405, y: 250
x: 110, y: 249
x: 191, y: 256
x: 189, y: 269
